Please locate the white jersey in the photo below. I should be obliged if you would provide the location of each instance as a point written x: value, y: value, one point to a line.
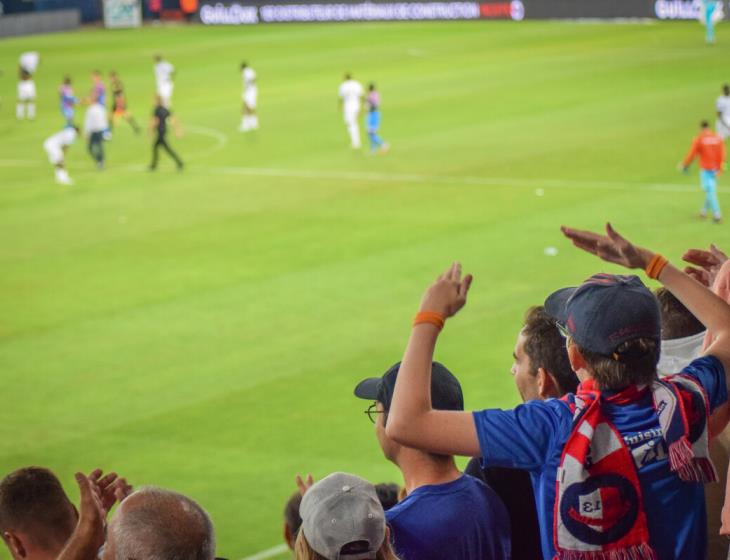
x: 351, y: 92
x: 163, y: 73
x: 723, y: 107
x: 55, y: 144
x: 96, y: 119
x: 249, y: 78
x: 29, y: 61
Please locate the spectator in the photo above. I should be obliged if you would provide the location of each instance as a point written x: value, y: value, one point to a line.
x: 342, y: 518
x: 541, y: 370
x: 292, y: 520
x: 446, y: 514
x: 36, y: 516
x: 682, y: 334
x: 388, y: 494
x: 638, y: 495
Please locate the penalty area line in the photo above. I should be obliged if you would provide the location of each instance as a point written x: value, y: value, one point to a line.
x: 269, y: 553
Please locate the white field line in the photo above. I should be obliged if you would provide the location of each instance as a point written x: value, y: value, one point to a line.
x: 220, y: 138
x: 409, y: 178
x: 269, y: 553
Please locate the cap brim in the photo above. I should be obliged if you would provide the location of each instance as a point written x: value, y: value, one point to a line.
x: 556, y: 304
x: 368, y: 388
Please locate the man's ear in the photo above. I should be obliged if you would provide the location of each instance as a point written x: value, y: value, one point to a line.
x: 577, y: 361
x: 17, y: 549
x: 547, y: 387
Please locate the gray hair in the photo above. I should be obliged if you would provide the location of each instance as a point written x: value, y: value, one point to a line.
x: 161, y: 525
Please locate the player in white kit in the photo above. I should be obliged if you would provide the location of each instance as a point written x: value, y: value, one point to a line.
x: 56, y: 147
x: 249, y: 120
x: 722, y: 125
x: 164, y: 72
x: 351, y: 95
x: 27, y: 65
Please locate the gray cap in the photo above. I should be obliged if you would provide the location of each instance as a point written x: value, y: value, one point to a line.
x: 339, y: 510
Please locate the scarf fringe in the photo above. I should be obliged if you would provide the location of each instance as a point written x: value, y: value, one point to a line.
x: 689, y: 468
x: 639, y: 552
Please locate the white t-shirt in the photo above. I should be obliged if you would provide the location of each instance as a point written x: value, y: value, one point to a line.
x: 29, y: 61
x: 96, y: 120
x: 163, y: 73
x: 677, y: 353
x: 249, y: 78
x: 64, y: 138
x: 723, y: 107
x: 351, y: 91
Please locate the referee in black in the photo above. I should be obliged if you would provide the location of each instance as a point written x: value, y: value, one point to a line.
x: 158, y: 126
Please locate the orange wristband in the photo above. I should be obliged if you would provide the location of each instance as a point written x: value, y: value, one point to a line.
x: 431, y: 317
x: 655, y: 266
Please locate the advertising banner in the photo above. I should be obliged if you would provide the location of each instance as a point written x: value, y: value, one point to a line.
x: 122, y: 13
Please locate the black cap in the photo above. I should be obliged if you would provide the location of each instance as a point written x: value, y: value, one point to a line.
x: 445, y: 388
x: 606, y: 311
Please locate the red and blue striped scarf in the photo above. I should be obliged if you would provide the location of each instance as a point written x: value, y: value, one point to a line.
x: 599, y: 510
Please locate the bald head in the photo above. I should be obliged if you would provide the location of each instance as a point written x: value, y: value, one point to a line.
x: 157, y: 524
x: 36, y: 516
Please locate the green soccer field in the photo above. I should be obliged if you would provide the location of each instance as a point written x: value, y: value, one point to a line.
x: 204, y: 330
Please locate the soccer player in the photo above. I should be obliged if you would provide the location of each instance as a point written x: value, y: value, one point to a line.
x: 68, y: 100
x: 164, y: 71
x: 56, y: 147
x: 249, y: 120
x: 119, y: 103
x: 27, y: 65
x: 711, y: 150
x: 96, y: 127
x: 373, y: 120
x: 351, y: 94
x: 722, y: 126
x: 98, y: 89
x: 158, y: 125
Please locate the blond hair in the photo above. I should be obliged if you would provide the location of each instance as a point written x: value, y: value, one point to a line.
x: 303, y: 551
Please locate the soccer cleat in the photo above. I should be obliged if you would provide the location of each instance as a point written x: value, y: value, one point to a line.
x: 717, y: 219
x: 385, y: 148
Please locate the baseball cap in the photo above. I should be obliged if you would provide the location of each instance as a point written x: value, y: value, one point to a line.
x: 605, y: 311
x: 445, y: 388
x: 339, y: 510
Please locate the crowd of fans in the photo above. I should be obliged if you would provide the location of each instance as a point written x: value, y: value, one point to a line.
x: 606, y: 459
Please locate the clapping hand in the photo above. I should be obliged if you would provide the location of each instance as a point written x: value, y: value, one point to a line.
x: 611, y: 247
x: 707, y: 264
x: 447, y: 295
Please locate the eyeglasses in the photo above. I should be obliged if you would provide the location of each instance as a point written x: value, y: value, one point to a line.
x: 373, y: 412
x: 563, y: 330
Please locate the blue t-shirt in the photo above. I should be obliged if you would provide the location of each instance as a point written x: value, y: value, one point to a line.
x: 532, y: 437
x: 460, y: 520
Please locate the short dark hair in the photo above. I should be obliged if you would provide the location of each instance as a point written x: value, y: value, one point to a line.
x: 677, y: 320
x: 545, y: 347
x: 633, y: 362
x: 704, y: 124
x: 32, y: 500
x: 291, y: 513
x: 387, y: 494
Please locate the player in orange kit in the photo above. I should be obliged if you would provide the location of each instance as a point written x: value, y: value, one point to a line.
x: 711, y: 150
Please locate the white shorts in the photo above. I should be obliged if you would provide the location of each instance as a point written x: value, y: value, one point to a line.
x: 722, y: 130
x: 165, y: 92
x: 250, y: 97
x: 351, y: 117
x: 55, y: 153
x: 26, y: 90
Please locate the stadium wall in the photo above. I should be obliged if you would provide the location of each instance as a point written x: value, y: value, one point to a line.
x: 281, y: 11
x: 39, y: 22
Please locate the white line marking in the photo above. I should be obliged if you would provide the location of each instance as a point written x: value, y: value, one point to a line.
x: 407, y: 177
x: 220, y: 137
x: 269, y: 553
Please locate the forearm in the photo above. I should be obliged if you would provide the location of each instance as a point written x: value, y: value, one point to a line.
x: 81, y: 545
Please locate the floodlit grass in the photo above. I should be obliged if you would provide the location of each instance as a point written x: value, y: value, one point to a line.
x: 204, y: 330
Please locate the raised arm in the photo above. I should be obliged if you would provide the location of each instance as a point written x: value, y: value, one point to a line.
x: 411, y: 420
x: 710, y: 309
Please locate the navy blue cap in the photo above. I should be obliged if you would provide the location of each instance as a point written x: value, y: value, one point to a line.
x: 445, y: 388
x: 606, y: 311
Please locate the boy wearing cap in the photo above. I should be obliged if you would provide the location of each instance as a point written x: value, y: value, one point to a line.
x: 446, y: 514
x: 617, y: 468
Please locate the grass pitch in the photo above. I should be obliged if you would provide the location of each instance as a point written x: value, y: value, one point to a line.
x: 203, y: 331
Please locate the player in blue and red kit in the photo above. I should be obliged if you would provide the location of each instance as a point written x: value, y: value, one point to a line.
x: 68, y: 100
x: 373, y: 120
